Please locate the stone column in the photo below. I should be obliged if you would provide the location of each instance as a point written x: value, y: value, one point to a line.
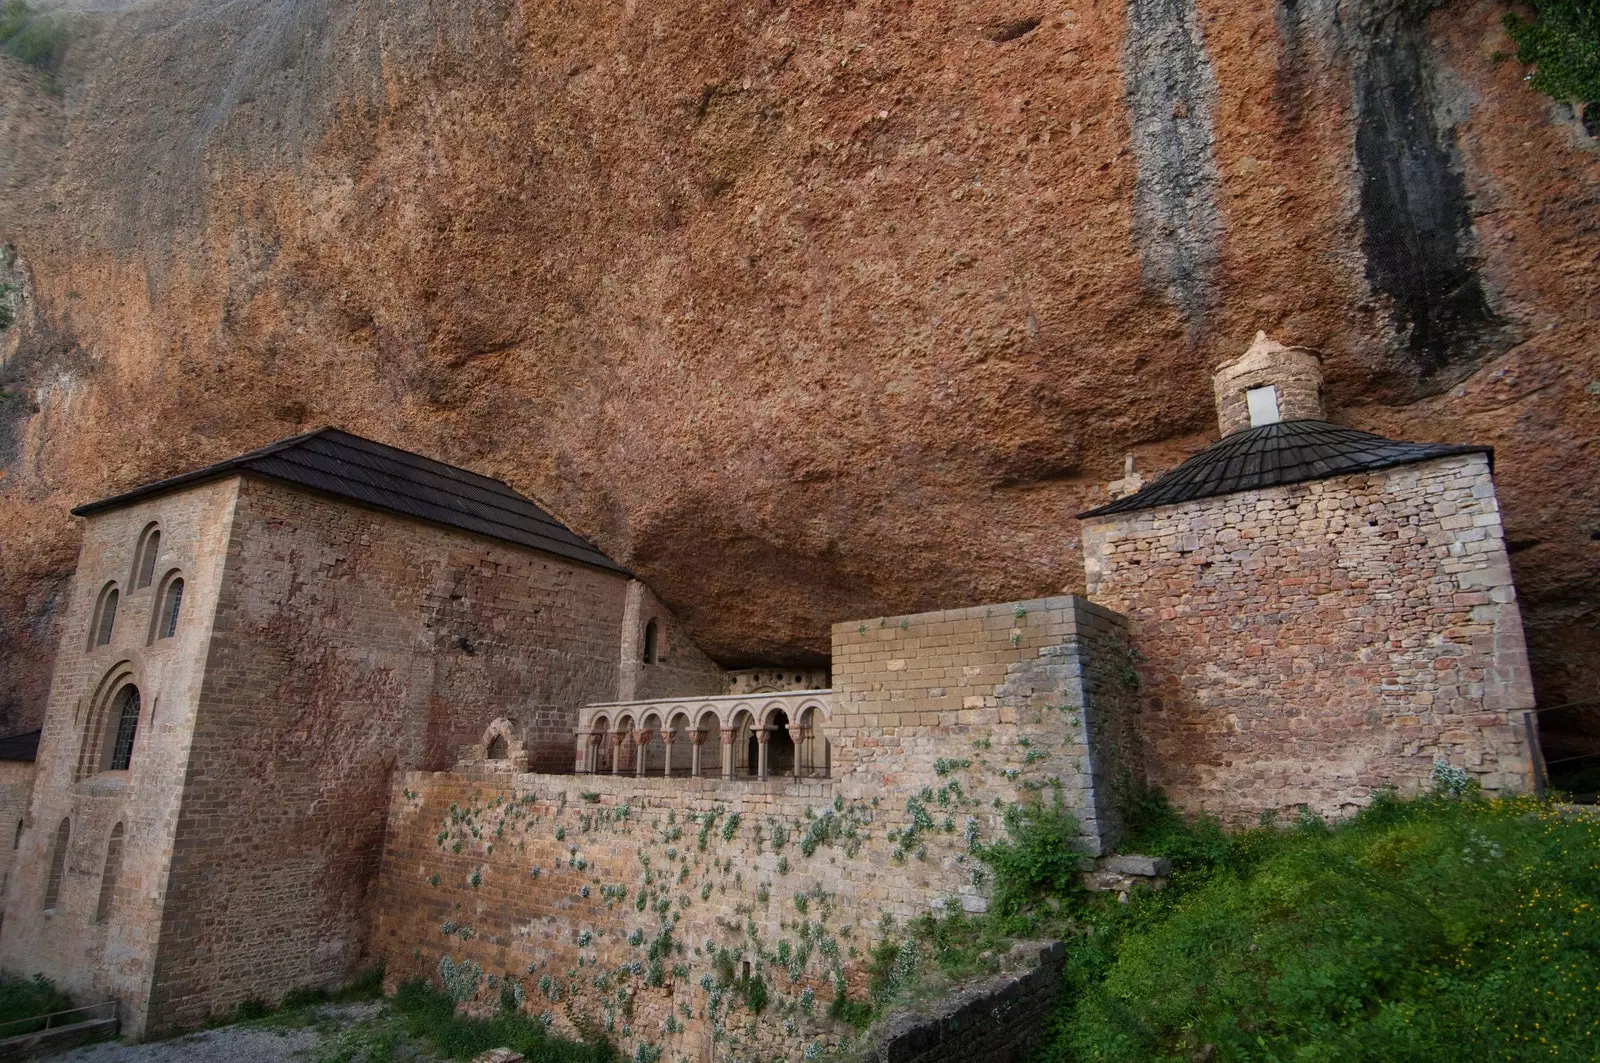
x: 582, y: 764
x: 696, y: 737
x: 798, y: 736
x: 763, y: 736
x: 617, y: 738
x: 728, y: 735
x: 641, y: 742
x: 666, y: 740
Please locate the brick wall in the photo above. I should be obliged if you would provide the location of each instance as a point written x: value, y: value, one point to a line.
x: 680, y: 668
x: 943, y: 722
x: 348, y: 644
x: 1313, y: 642
x: 94, y: 960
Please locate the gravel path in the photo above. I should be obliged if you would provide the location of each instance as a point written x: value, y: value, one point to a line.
x: 239, y: 1043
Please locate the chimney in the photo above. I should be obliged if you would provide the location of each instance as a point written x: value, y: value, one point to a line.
x: 1270, y: 383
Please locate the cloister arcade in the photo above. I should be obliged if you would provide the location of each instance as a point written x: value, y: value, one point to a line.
x: 735, y: 737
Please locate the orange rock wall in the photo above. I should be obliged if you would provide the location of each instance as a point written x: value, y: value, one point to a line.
x: 802, y: 311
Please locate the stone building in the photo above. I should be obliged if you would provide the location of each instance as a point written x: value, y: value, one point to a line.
x: 1319, y: 611
x: 331, y: 703
x: 249, y: 654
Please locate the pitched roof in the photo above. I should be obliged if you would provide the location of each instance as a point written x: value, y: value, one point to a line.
x: 1286, y: 452
x: 387, y: 478
x: 24, y: 746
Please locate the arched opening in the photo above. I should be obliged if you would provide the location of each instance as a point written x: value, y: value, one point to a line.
x: 814, y: 757
x: 780, y: 744
x: 650, y: 738
x: 709, y: 730
x: 652, y: 642
x: 622, y: 751
x: 149, y: 548
x: 680, y: 756
x: 599, y: 744
x: 497, y: 749
x: 58, y: 866
x: 105, y: 617
x: 16, y: 840
x: 125, y: 712
x: 108, y: 878
x: 746, y: 749
x: 171, y: 606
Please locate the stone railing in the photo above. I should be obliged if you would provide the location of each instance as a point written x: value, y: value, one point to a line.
x: 752, y: 736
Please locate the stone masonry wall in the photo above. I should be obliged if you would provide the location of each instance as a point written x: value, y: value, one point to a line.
x: 16, y: 792
x: 629, y: 902
x: 997, y: 1020
x: 1011, y: 687
x: 1314, y: 642
x: 350, y: 644
x: 90, y: 959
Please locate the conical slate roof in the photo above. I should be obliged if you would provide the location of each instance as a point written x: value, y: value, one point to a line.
x: 383, y: 477
x: 1286, y: 452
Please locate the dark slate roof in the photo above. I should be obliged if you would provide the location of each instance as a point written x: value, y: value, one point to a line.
x: 1288, y: 452
x: 387, y: 478
x: 20, y: 747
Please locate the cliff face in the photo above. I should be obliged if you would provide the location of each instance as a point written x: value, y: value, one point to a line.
x: 804, y: 312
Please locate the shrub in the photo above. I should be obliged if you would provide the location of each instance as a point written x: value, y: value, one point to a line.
x: 427, y: 1013
x: 1562, y: 44
x: 1443, y: 928
x: 38, y: 40
x: 1040, y: 858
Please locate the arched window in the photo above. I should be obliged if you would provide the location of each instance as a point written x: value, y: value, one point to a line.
x: 125, y: 711
x: 105, y: 617
x: 497, y: 749
x: 16, y: 840
x: 171, y: 605
x: 652, y: 639
x: 144, y: 568
x: 58, y: 865
x: 108, y: 878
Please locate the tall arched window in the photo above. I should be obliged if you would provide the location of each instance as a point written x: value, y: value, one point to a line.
x: 108, y: 878
x: 125, y: 711
x: 145, y: 564
x: 16, y: 840
x: 105, y: 617
x: 171, y: 604
x: 652, y: 642
x: 58, y: 865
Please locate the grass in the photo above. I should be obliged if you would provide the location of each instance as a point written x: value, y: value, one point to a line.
x: 23, y: 999
x: 1443, y: 928
x: 424, y: 1012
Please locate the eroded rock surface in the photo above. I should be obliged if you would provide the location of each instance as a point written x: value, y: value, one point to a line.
x: 803, y: 311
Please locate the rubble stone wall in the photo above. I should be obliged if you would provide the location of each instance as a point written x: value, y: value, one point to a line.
x: 630, y: 902
x: 1314, y: 642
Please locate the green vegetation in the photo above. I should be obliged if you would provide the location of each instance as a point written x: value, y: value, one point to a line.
x: 38, y: 40
x: 1447, y: 927
x: 1562, y: 45
x: 23, y: 999
x: 423, y: 1012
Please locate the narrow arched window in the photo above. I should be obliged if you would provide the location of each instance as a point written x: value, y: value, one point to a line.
x: 652, y: 637
x: 171, y: 604
x: 16, y: 841
x: 108, y: 878
x: 497, y: 748
x: 149, y: 547
x: 58, y: 865
x: 105, y: 619
x: 126, y: 713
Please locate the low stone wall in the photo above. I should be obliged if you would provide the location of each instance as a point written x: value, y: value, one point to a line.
x: 648, y: 907
x: 996, y: 1020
